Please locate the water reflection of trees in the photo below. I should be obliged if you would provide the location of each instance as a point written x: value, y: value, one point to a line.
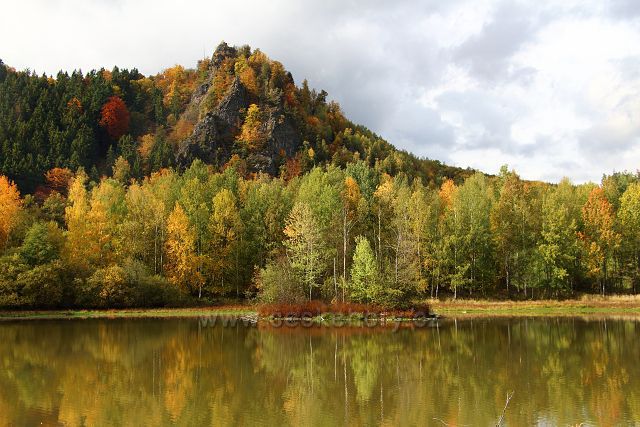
x: 132, y: 372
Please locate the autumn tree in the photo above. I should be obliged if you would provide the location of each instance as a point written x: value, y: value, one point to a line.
x: 353, y: 206
x: 252, y: 135
x: 451, y: 270
x: 473, y: 203
x: 57, y: 179
x: 599, y: 236
x: 225, y: 228
x: 114, y: 117
x: 305, y: 247
x: 10, y: 205
x: 511, y: 229
x: 629, y: 220
x: 78, y: 247
x: 182, y: 260
x: 558, y: 246
x: 121, y: 170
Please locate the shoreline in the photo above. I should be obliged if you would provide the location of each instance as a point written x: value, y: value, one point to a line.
x: 461, y: 308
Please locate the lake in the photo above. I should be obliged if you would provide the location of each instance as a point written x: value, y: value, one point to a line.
x: 562, y: 371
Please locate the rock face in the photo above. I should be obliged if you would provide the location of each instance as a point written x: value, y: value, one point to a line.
x: 234, y: 102
x: 213, y: 137
x: 284, y: 136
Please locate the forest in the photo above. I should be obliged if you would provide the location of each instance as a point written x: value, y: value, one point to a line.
x: 230, y: 181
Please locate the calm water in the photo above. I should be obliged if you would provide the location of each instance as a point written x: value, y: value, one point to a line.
x: 177, y: 371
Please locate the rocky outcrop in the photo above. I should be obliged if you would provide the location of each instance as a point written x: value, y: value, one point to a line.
x: 284, y: 137
x: 231, y: 106
x: 213, y: 136
x: 222, y: 52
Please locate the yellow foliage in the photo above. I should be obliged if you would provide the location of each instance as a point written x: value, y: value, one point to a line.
x: 182, y: 129
x: 252, y: 135
x: 447, y: 192
x: 146, y: 145
x: 10, y: 205
x: 182, y: 265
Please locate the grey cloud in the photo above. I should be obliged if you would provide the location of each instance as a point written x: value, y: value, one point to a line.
x: 625, y: 9
x: 487, y: 53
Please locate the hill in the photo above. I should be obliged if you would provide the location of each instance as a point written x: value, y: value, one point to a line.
x: 238, y: 107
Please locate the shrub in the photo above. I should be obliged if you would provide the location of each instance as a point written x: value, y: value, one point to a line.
x: 278, y: 283
x: 44, y: 286
x: 129, y: 285
x: 10, y: 268
x: 42, y: 243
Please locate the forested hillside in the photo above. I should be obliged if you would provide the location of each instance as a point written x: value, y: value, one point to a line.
x: 231, y: 181
x: 236, y: 108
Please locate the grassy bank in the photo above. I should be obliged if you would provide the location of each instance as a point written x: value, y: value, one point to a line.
x: 230, y: 310
x: 587, y: 305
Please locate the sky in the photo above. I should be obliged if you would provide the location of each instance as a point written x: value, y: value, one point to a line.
x: 549, y: 87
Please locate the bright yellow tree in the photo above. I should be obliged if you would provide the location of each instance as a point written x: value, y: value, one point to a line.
x: 252, y: 134
x: 10, y: 205
x: 90, y: 224
x: 182, y: 267
x: 77, y: 248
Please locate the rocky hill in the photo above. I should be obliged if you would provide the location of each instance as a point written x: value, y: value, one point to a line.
x: 237, y: 108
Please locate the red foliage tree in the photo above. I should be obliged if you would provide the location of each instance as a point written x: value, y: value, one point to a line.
x: 115, y: 117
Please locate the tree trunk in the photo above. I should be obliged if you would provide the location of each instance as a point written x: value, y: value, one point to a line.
x: 344, y: 244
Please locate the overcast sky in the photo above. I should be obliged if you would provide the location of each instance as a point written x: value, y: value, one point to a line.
x: 551, y: 88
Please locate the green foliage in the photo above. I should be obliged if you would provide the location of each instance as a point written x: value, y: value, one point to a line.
x: 558, y: 246
x: 42, y: 244
x: 44, y: 285
x: 278, y: 282
x: 365, y: 283
x: 224, y: 229
x: 305, y: 247
x: 41, y: 286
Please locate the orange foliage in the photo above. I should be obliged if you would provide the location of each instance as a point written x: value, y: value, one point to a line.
x: 115, y: 117
x: 292, y: 168
x: 447, y: 192
x: 248, y: 79
x: 252, y: 134
x: 146, y: 145
x: 313, y: 121
x: 223, y: 79
x: 238, y: 163
x: 182, y: 129
x: 74, y: 105
x: 10, y: 204
x: 290, y: 96
x: 57, y: 179
x: 278, y: 75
